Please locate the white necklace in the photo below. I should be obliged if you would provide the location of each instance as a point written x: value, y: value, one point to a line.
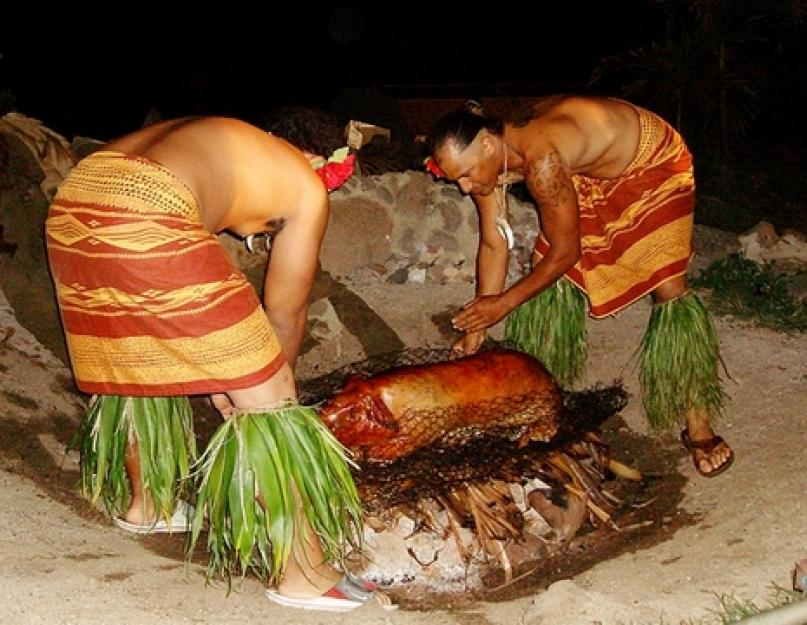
x: 501, y: 199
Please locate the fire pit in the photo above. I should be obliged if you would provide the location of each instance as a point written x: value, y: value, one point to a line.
x: 514, y: 479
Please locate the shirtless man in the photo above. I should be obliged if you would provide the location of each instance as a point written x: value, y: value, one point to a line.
x: 154, y: 307
x: 614, y: 185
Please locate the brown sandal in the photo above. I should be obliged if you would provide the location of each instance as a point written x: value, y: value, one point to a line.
x: 707, y: 447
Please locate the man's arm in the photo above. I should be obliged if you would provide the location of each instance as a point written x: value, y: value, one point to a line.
x: 292, y: 269
x: 491, y: 260
x: 491, y: 264
x: 549, y: 182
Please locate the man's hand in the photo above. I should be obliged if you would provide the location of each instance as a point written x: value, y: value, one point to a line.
x: 480, y: 313
x: 470, y: 343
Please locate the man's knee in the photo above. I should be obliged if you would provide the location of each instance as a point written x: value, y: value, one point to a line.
x: 675, y: 287
x: 276, y: 389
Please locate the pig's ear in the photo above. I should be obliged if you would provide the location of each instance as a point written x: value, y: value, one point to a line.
x: 383, y: 422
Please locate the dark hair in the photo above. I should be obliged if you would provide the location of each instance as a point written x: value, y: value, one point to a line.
x: 461, y: 127
x: 308, y: 128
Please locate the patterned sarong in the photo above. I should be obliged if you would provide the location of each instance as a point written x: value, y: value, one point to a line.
x: 635, y: 229
x: 151, y: 302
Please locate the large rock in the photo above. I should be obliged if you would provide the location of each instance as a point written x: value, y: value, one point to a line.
x: 24, y: 274
x: 762, y: 244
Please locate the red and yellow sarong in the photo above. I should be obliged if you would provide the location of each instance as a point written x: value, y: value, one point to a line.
x: 151, y: 303
x: 635, y: 229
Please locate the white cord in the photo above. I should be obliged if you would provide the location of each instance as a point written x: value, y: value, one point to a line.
x: 502, y: 225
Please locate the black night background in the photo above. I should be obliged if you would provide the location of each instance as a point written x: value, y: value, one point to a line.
x: 729, y: 74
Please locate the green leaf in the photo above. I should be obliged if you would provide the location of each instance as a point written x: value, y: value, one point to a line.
x: 552, y: 327
x: 277, y: 455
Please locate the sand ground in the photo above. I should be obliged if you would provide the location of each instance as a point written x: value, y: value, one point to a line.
x: 63, y: 563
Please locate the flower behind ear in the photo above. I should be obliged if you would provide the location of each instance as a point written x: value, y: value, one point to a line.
x: 432, y: 166
x: 336, y: 170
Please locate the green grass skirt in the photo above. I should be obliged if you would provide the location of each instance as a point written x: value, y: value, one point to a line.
x: 680, y: 357
x: 264, y: 473
x: 552, y: 327
x: 162, y: 427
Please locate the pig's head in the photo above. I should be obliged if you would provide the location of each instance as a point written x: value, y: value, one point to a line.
x: 357, y: 416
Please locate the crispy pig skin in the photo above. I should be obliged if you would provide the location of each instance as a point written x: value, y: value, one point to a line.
x: 389, y: 415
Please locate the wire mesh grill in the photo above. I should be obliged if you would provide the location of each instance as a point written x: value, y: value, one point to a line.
x: 466, y: 455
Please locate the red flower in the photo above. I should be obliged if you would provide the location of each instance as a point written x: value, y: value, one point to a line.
x: 334, y: 174
x: 433, y: 167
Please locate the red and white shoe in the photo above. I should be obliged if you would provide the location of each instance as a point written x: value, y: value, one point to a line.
x: 345, y: 596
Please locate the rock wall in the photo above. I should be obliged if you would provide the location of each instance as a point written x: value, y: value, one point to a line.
x: 407, y: 227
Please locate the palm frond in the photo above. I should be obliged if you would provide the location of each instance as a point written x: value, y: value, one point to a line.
x: 162, y: 428
x: 262, y: 475
x: 552, y: 327
x: 679, y: 368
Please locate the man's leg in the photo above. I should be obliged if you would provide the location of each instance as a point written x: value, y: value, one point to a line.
x: 552, y: 327
x: 306, y: 572
x: 141, y: 509
x: 699, y: 430
x: 110, y: 439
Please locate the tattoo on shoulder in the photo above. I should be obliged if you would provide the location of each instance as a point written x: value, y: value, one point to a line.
x: 549, y: 180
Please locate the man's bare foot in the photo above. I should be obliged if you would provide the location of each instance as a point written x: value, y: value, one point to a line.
x: 711, y: 455
x: 139, y: 523
x: 138, y: 515
x: 304, y: 582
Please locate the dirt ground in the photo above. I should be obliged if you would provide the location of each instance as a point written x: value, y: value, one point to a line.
x: 62, y: 562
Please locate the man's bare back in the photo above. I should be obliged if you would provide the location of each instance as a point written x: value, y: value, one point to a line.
x: 241, y: 176
x: 596, y: 137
